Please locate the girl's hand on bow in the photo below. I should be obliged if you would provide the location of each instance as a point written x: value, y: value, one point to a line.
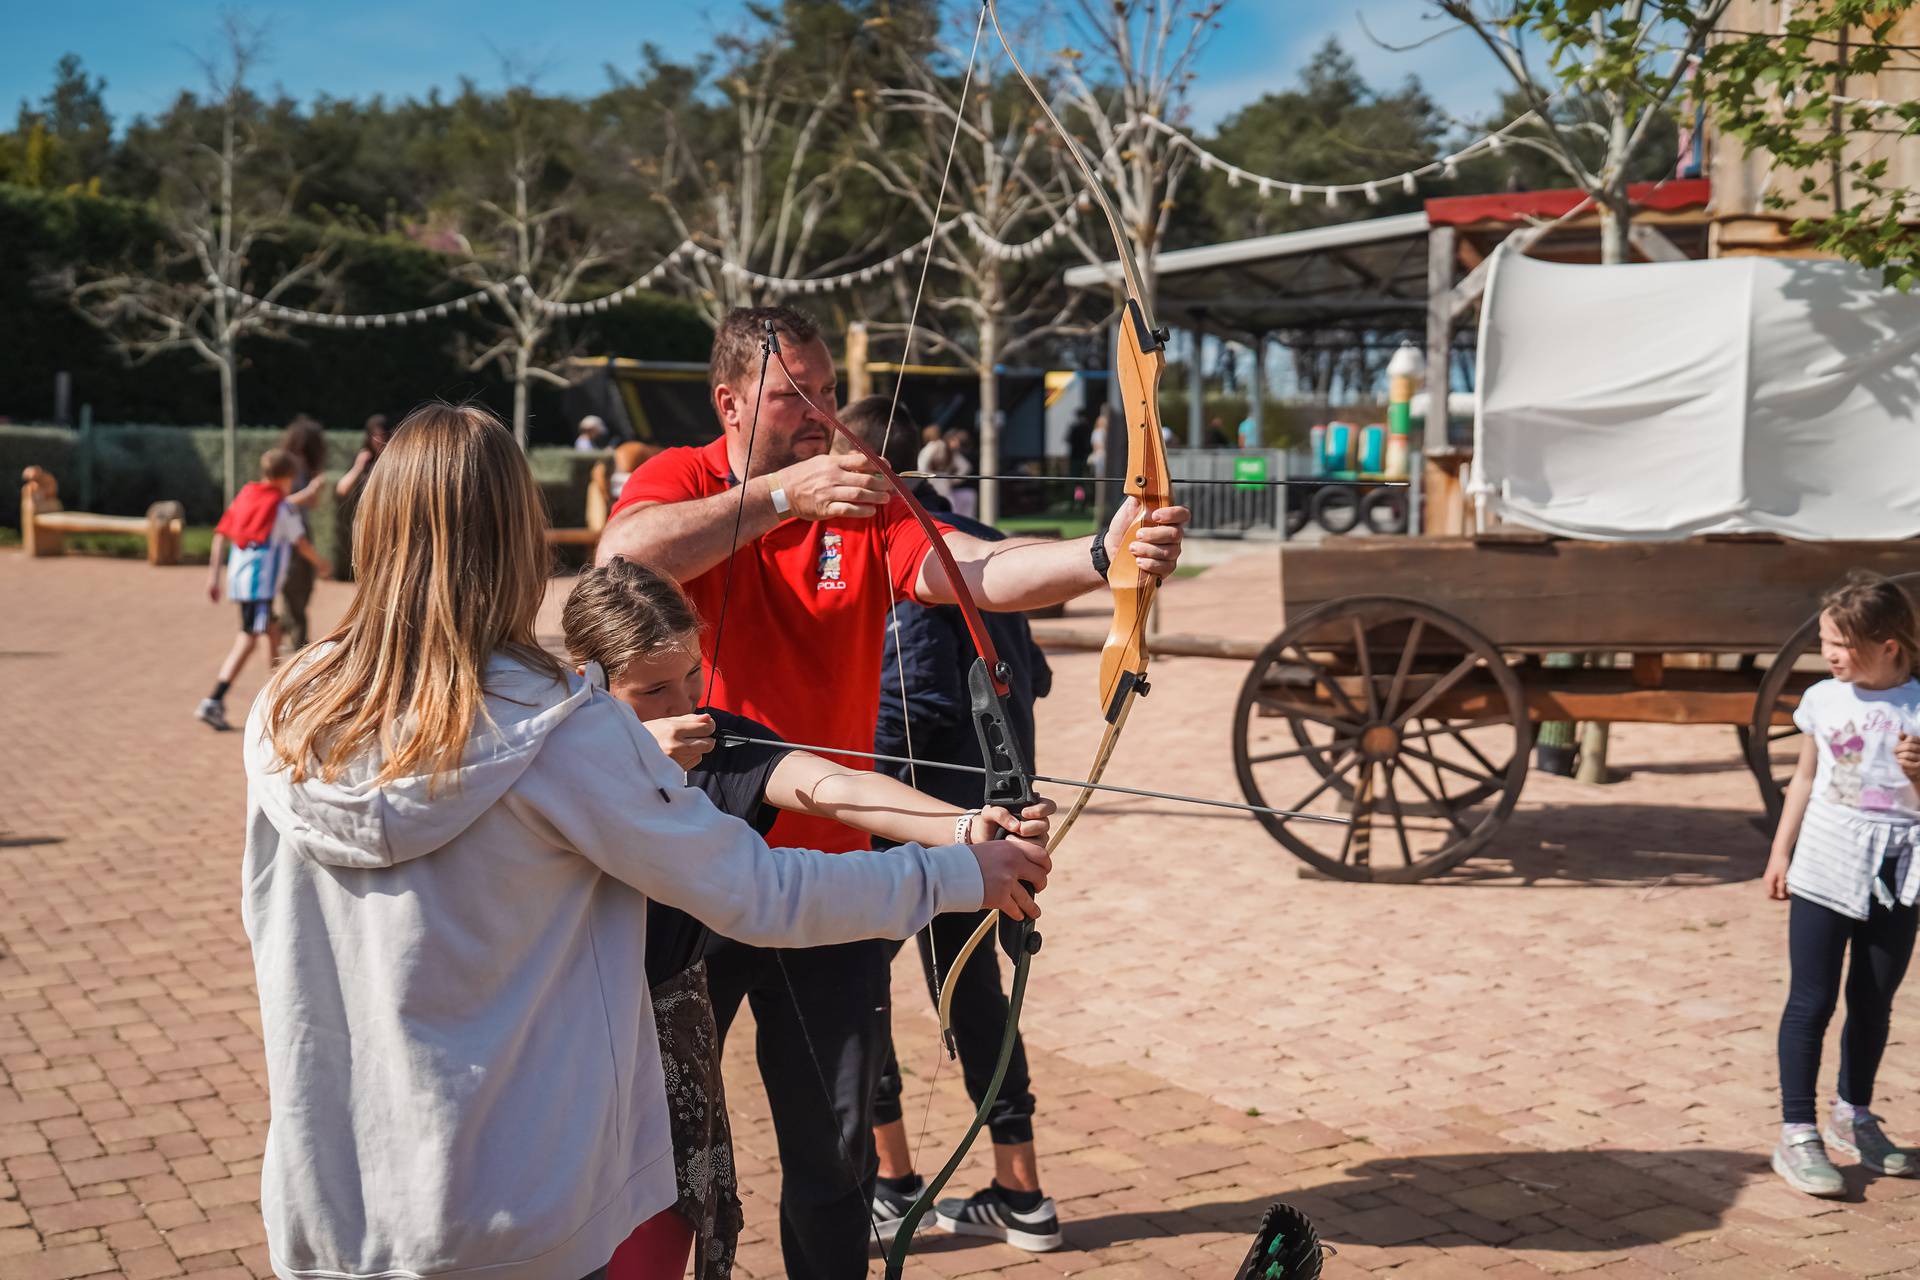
x: 686, y: 739
x: 995, y: 821
x: 1013, y: 871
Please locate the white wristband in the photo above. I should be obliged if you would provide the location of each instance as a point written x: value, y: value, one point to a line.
x: 779, y: 497
x: 963, y: 826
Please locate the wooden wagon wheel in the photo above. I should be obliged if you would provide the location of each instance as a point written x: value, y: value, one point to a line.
x: 1761, y: 735
x: 1395, y: 713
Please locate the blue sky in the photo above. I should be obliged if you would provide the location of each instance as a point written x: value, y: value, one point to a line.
x: 401, y: 48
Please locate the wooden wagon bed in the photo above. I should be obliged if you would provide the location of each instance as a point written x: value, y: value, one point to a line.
x: 1405, y: 685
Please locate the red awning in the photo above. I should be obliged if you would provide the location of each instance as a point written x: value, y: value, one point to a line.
x: 1518, y: 206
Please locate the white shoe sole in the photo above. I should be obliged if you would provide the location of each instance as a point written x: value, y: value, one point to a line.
x: 1031, y: 1241
x: 1786, y: 1175
x: 1847, y: 1149
x: 886, y: 1231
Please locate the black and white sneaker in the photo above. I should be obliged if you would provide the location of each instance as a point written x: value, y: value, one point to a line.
x: 890, y: 1209
x: 987, y: 1213
x: 213, y: 713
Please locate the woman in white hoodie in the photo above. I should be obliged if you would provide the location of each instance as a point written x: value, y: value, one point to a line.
x: 447, y: 871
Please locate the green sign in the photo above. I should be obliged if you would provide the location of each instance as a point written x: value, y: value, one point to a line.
x: 1250, y: 473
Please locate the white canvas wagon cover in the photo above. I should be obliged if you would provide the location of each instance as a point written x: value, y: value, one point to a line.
x: 1665, y: 400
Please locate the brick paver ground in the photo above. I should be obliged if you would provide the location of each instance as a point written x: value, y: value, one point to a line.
x: 1556, y: 1059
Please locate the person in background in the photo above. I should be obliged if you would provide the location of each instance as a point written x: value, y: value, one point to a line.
x: 306, y: 440
x: 925, y: 715
x: 1249, y: 433
x: 627, y: 457
x: 264, y: 529
x: 372, y: 441
x: 935, y: 460
x: 1844, y: 861
x: 960, y: 492
x: 592, y: 436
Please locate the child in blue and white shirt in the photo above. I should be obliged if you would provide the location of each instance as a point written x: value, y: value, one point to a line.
x: 1843, y: 858
x: 266, y: 532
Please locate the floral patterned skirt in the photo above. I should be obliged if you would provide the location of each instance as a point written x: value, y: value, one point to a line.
x: 697, y: 1112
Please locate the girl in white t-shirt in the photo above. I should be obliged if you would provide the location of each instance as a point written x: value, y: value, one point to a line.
x: 1843, y: 858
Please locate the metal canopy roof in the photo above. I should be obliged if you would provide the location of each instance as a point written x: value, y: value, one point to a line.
x: 1351, y: 274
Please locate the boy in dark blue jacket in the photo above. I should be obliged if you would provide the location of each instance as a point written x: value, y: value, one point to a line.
x: 929, y: 651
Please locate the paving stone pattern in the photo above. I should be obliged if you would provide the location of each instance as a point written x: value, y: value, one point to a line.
x: 1556, y: 1059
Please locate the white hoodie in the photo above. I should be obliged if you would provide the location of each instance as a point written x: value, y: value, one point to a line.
x: 461, y: 1056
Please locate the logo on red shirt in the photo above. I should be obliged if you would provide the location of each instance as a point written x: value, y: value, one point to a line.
x: 830, y: 579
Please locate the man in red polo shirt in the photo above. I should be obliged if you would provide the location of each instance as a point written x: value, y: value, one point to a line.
x: 824, y: 549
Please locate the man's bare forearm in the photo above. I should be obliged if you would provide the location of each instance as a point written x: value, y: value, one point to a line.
x: 685, y: 539
x: 1014, y: 575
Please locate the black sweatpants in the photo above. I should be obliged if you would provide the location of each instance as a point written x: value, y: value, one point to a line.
x: 829, y: 1048
x: 295, y: 593
x: 1818, y: 940
x: 979, y: 1021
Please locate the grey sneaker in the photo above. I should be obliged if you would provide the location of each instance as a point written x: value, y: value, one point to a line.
x: 211, y: 712
x: 1864, y: 1140
x: 1802, y: 1161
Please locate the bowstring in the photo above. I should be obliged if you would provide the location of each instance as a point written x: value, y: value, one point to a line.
x: 739, y: 516
x: 886, y: 438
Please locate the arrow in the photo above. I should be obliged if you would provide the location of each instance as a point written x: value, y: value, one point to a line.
x: 737, y: 739
x: 1247, y: 484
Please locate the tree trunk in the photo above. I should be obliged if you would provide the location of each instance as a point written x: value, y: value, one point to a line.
x: 520, y: 396
x: 1614, y: 225
x: 989, y: 417
x: 229, y: 421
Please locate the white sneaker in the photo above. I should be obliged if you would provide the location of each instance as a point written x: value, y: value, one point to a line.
x: 212, y: 712
x: 986, y: 1213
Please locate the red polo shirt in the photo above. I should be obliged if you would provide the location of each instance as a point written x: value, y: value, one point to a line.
x: 806, y: 619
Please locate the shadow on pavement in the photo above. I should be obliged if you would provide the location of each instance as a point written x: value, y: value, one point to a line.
x: 1619, y: 846
x: 1522, y: 1201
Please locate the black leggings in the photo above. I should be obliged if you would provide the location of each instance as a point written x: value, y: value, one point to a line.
x: 1817, y: 942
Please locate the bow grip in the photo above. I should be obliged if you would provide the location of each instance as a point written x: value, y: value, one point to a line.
x: 1008, y: 783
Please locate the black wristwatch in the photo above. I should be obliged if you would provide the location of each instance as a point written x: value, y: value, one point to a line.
x: 1101, y: 561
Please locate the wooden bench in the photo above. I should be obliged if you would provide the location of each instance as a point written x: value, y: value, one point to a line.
x: 45, y: 524
x: 599, y: 504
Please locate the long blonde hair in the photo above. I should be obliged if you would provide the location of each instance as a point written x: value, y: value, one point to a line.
x: 449, y: 545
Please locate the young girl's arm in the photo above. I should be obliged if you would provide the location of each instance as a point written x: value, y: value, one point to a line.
x: 1799, y: 789
x: 309, y: 497
x: 347, y: 481
x: 887, y: 807
x: 215, y: 556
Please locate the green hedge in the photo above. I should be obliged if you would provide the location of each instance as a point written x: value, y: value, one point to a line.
x: 338, y: 376
x: 137, y: 466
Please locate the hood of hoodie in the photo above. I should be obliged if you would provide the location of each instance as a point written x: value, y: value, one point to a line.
x: 351, y: 822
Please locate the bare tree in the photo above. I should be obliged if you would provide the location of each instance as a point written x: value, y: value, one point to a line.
x: 1137, y: 61
x: 1623, y: 64
x: 1005, y: 195
x: 220, y: 205
x: 757, y: 179
x: 529, y: 250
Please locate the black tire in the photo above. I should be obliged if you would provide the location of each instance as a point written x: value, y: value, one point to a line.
x: 1385, y: 510
x: 1297, y: 517
x: 1366, y: 674
x: 1336, y: 508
